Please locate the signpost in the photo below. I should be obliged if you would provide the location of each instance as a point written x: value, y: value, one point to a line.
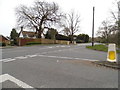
x: 112, y: 56
x: 74, y: 40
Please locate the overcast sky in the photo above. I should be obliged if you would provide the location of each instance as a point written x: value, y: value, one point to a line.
x: 83, y: 7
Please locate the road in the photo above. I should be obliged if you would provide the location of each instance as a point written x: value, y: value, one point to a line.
x: 55, y: 66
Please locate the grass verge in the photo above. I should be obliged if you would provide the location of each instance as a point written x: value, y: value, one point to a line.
x: 100, y: 48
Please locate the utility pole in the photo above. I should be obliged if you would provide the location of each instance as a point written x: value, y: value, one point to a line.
x: 119, y: 23
x: 118, y: 13
x: 93, y: 27
x: 119, y: 10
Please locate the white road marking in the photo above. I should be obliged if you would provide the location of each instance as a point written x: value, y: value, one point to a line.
x: 50, y: 47
x: 54, y: 51
x: 21, y: 57
x: 39, y: 54
x: 9, y: 60
x: 57, y: 46
x: 57, y: 60
x: 5, y: 59
x: 62, y: 46
x: 32, y: 55
x: 68, y: 58
x: 6, y: 77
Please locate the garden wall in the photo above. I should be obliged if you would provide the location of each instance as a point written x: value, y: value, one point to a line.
x: 24, y: 41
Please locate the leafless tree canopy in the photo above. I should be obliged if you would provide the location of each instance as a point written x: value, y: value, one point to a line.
x: 41, y: 15
x: 106, y: 29
x: 72, y: 24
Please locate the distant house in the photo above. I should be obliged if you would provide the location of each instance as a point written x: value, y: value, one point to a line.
x: 4, y: 40
x: 27, y: 34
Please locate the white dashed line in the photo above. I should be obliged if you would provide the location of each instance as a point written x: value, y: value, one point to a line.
x: 21, y: 57
x: 32, y: 55
x: 9, y: 60
x: 5, y: 59
x: 67, y: 58
x: 57, y: 60
x: 57, y: 46
x: 50, y: 47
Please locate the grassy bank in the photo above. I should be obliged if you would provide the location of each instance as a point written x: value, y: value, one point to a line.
x: 100, y: 48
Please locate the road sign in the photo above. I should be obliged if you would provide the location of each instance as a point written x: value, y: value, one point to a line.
x: 111, y: 56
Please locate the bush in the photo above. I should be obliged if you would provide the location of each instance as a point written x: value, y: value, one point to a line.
x: 62, y: 37
x: 2, y: 44
x: 79, y: 41
x: 33, y: 43
x: 14, y: 42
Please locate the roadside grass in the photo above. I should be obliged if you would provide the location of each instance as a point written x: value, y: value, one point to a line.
x: 100, y: 48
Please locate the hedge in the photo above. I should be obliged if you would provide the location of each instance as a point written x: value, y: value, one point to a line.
x: 2, y: 44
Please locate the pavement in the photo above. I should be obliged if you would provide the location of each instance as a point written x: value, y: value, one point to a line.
x: 55, y: 66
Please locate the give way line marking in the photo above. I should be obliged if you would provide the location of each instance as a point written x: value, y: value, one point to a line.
x: 41, y: 55
x: 6, y: 77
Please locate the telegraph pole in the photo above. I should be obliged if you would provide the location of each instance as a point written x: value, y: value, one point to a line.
x: 93, y: 27
x: 118, y: 12
x: 118, y: 23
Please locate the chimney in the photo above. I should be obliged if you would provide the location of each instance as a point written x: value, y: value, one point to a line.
x: 21, y: 28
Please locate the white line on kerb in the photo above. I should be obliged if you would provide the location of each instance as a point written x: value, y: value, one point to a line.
x: 5, y: 77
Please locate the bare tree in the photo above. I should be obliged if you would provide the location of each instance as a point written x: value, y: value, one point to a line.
x: 66, y: 31
x: 39, y: 16
x: 71, y: 24
x: 105, y: 30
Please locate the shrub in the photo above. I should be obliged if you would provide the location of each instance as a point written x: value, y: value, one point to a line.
x: 62, y: 37
x: 2, y: 44
x: 79, y: 41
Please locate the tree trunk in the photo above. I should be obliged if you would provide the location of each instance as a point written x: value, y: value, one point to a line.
x: 39, y: 34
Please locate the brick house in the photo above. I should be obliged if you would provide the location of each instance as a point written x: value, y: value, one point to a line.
x: 27, y: 34
x: 4, y: 40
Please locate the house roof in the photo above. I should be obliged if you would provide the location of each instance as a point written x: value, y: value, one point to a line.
x: 1, y: 36
x: 28, y: 33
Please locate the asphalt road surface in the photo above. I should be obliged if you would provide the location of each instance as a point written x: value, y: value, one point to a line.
x: 55, y: 66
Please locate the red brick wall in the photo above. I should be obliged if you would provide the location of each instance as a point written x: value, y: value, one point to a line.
x: 24, y: 41
x: 2, y: 39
